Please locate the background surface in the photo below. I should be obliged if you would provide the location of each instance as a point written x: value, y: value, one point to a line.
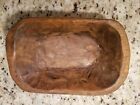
x: 127, y: 12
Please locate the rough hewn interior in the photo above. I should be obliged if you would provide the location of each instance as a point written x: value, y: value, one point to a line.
x: 69, y: 55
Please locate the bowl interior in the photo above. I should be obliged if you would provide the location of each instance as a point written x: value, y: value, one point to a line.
x: 72, y: 55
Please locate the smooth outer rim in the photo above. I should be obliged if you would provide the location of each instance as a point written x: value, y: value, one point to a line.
x: 123, y: 72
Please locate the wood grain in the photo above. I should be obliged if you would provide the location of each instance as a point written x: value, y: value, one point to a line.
x: 73, y: 56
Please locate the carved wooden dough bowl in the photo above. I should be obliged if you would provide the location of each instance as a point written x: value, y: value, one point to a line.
x: 73, y: 56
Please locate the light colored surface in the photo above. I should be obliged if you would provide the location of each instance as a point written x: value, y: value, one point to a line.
x: 67, y: 53
x: 127, y: 12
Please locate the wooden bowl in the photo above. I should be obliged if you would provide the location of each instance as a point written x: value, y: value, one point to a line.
x: 73, y: 56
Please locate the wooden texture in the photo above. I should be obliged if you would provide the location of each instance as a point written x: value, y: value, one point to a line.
x: 73, y: 56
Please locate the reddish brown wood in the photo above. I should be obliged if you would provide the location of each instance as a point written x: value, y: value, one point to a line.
x: 76, y: 56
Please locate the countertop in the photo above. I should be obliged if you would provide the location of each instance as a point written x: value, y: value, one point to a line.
x: 127, y: 12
